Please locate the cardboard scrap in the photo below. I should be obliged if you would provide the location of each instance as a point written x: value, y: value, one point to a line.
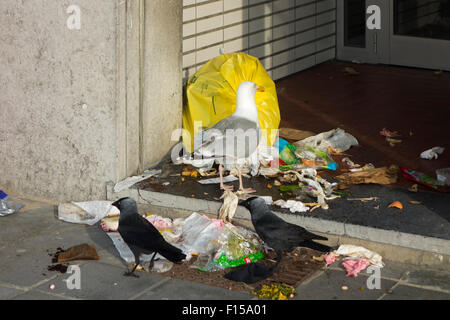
x: 294, y: 134
x: 81, y: 252
x: 383, y: 175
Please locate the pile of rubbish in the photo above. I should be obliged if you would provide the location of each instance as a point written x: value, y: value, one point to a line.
x: 217, y: 244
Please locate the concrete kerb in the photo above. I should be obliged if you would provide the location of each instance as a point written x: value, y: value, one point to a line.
x: 392, y: 245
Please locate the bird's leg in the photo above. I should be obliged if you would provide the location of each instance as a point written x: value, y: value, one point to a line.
x: 222, y: 185
x: 151, y: 261
x: 131, y: 273
x: 241, y: 186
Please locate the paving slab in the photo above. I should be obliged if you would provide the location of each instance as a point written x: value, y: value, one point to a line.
x: 404, y: 292
x: 177, y: 289
x: 102, y: 281
x: 328, y: 286
x: 8, y: 292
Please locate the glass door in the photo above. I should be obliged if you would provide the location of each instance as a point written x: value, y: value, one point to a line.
x: 420, y: 33
x: 413, y: 33
x: 363, y: 31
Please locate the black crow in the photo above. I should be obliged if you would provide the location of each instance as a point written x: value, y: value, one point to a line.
x: 141, y: 236
x: 277, y: 233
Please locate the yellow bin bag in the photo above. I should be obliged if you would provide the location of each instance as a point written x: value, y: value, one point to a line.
x: 211, y: 95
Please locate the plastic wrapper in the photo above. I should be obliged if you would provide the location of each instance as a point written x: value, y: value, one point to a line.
x: 423, y: 179
x: 211, y: 95
x: 197, y: 232
x: 233, y: 247
x: 8, y: 205
x: 336, y: 138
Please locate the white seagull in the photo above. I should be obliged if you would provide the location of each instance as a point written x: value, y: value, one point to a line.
x: 234, y: 140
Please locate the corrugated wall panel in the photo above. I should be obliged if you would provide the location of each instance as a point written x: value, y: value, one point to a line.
x: 286, y: 35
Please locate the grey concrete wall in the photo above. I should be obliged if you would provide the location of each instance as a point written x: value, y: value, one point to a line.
x: 162, y: 102
x: 71, y: 100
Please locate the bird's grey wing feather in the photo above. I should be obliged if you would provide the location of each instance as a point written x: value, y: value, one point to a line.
x: 217, y: 146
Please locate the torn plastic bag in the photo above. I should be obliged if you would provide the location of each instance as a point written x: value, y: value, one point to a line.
x: 336, y: 138
x: 211, y: 95
x: 197, y: 232
x: 8, y: 205
x: 234, y: 246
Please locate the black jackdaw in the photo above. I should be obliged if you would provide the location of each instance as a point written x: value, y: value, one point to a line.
x: 277, y: 233
x: 141, y: 236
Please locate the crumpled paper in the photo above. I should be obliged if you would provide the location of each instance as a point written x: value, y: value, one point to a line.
x: 89, y: 212
x: 356, y: 252
x: 292, y: 205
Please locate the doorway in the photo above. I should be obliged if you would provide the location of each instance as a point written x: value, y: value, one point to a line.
x: 409, y: 33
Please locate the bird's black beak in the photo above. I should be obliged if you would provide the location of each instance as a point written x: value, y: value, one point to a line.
x: 117, y: 203
x: 246, y: 203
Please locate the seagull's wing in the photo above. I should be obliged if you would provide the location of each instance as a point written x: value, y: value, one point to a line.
x: 216, y: 140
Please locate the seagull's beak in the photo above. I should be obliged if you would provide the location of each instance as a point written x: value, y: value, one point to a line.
x: 260, y: 89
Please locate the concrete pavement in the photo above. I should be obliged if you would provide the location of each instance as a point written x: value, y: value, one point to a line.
x: 29, y: 235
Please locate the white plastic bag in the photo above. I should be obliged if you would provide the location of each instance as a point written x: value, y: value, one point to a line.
x: 197, y: 232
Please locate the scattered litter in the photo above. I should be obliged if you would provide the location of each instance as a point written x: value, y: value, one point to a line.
x: 109, y: 224
x: 80, y: 252
x: 432, y: 153
x: 275, y: 292
x: 364, y: 199
x: 189, y: 172
x: 354, y: 267
x: 443, y: 175
x: 350, y: 163
x: 377, y: 207
x: 345, y: 288
x: 414, y: 188
x: 267, y: 199
x: 166, y: 183
x: 383, y: 175
x: 294, y: 134
x: 350, y: 71
x: 396, y: 204
x: 130, y: 181
x: 208, y: 173
x: 393, y: 142
x: 319, y: 259
x: 336, y: 138
x: 8, y: 205
x: 423, y: 179
x: 415, y: 202
x: 387, y: 133
x: 330, y: 258
x: 89, y: 212
x: 355, y: 252
x: 292, y: 205
x: 233, y: 247
x: 368, y: 166
x: 316, y: 186
x: 229, y: 206
x: 269, y: 172
x: 52, y: 287
x: 229, y: 178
